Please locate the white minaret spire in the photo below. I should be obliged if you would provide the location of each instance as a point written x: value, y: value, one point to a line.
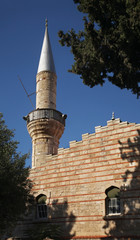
x: 46, y: 77
x: 46, y: 62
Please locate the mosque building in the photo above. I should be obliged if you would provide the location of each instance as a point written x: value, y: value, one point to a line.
x: 91, y: 189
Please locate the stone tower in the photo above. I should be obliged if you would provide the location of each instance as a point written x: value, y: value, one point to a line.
x: 45, y: 124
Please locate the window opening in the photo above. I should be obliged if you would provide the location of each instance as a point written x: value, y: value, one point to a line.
x: 112, y: 201
x: 41, y: 206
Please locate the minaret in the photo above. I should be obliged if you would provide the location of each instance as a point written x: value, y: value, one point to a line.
x: 45, y: 124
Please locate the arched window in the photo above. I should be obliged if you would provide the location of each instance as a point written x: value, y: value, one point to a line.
x: 112, y: 201
x: 41, y: 206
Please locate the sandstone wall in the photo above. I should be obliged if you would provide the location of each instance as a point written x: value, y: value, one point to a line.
x: 75, y: 181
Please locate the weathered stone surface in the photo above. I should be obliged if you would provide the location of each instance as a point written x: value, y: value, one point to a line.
x: 46, y: 90
x: 76, y: 178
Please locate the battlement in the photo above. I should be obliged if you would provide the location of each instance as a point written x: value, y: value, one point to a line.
x: 113, y: 127
x: 111, y: 134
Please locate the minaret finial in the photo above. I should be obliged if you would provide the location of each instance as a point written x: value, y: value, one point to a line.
x: 46, y: 24
x: 113, y: 116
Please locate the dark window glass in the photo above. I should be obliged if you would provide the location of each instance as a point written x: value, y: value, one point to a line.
x: 42, y: 210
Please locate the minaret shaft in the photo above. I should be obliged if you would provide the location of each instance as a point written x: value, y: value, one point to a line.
x: 46, y: 90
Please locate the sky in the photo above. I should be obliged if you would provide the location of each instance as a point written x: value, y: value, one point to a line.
x: 22, y: 27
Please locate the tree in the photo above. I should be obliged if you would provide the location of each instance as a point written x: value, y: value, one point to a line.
x: 109, y: 45
x: 44, y: 232
x: 58, y: 224
x: 15, y: 197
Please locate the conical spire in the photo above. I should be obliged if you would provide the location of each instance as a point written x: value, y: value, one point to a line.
x: 46, y: 62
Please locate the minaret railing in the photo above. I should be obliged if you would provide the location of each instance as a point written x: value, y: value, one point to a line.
x: 45, y: 114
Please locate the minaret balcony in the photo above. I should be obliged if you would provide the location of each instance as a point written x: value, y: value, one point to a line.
x: 45, y: 114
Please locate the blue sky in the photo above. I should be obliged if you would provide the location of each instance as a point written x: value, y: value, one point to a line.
x: 22, y: 26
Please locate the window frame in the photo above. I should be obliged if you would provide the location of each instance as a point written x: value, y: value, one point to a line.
x: 41, y: 207
x: 113, y: 206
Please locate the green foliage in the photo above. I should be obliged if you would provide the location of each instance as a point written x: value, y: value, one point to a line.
x: 15, y: 197
x: 109, y: 46
x: 45, y: 231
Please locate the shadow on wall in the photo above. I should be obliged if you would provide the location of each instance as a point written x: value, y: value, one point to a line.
x: 57, y: 226
x: 126, y: 225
